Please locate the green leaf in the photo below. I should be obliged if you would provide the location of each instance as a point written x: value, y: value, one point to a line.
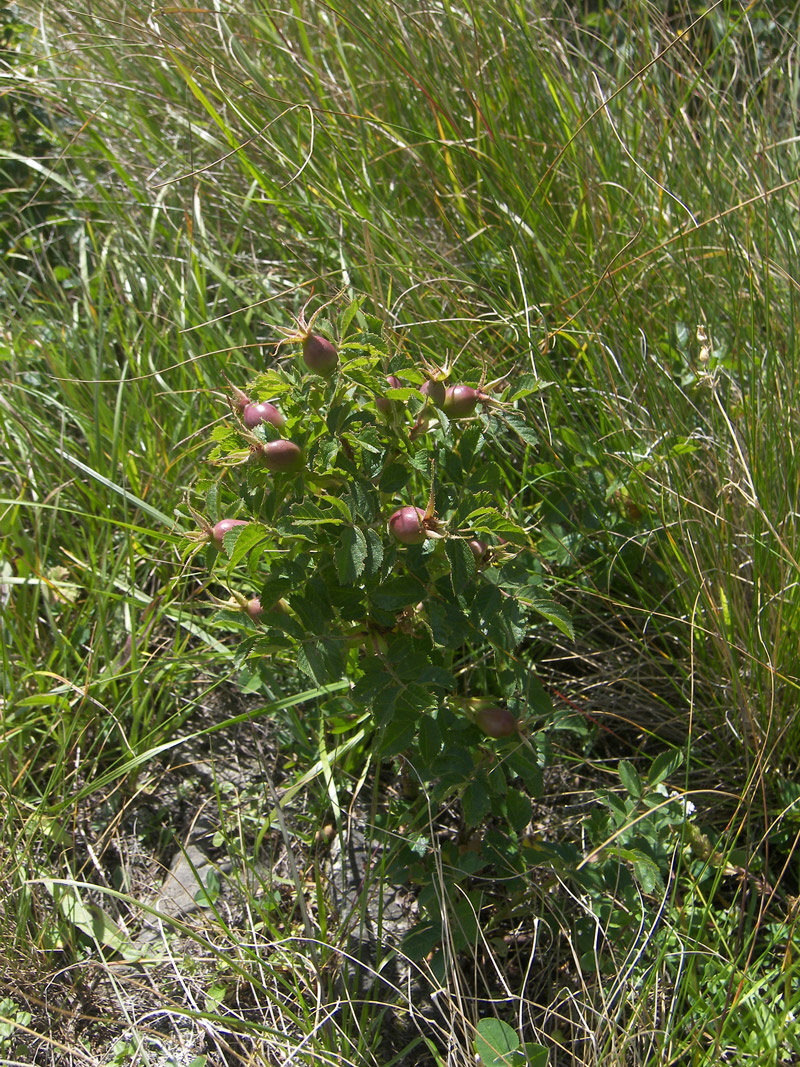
x: 415, y: 698
x: 664, y: 765
x: 450, y: 627
x: 470, y: 443
x: 338, y: 505
x: 525, y: 385
x: 398, y: 593
x: 430, y: 739
x: 497, y: 1044
x: 394, y: 478
x: 464, y: 919
x: 475, y: 802
x: 372, y: 564
x: 397, y: 736
x: 630, y: 779
x: 523, y: 763
x: 545, y: 606
x: 462, y: 564
x: 422, y: 940
x: 536, y: 1055
x: 349, y: 313
x: 207, y: 895
x: 321, y: 659
x: 242, y: 540
x: 91, y: 920
x: 308, y: 514
x: 371, y: 684
x: 489, y: 520
x: 645, y: 869
x: 351, y: 555
x: 521, y: 428
x: 212, y: 502
x: 370, y: 342
x: 274, y: 588
x: 518, y: 809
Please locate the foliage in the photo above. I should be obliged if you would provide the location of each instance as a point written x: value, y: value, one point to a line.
x: 404, y: 624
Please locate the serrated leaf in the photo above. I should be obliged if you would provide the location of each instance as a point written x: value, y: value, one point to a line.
x: 308, y: 514
x: 394, y: 478
x: 449, y: 626
x: 397, y: 736
x: 321, y: 660
x: 374, y: 559
x: 351, y: 555
x: 497, y: 1044
x: 430, y: 739
x: 475, y: 802
x: 518, y: 809
x: 462, y: 564
x: 489, y: 520
x: 359, y: 368
x: 411, y: 374
x: 469, y: 444
x: 337, y: 504
x: 664, y: 765
x: 398, y: 593
x: 212, y: 503
x: 630, y: 779
x: 545, y: 606
x: 364, y: 500
x: 247, y: 537
x: 226, y: 437
x: 521, y: 428
x: 527, y: 385
x: 372, y: 683
x: 414, y: 699
x: 232, y: 536
x: 272, y: 383
x: 401, y: 394
x: 523, y: 763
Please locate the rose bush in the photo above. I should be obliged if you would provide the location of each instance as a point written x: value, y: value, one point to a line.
x: 418, y: 621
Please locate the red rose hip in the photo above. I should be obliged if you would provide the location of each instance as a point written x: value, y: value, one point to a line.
x: 434, y: 391
x: 460, y: 401
x: 407, y: 525
x: 281, y: 457
x: 496, y: 722
x: 221, y: 528
x: 256, y: 414
x: 320, y: 355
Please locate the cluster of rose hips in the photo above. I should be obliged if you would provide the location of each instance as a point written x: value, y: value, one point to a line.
x: 409, y: 525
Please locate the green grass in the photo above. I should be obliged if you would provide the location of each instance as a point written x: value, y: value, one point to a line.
x: 582, y: 196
